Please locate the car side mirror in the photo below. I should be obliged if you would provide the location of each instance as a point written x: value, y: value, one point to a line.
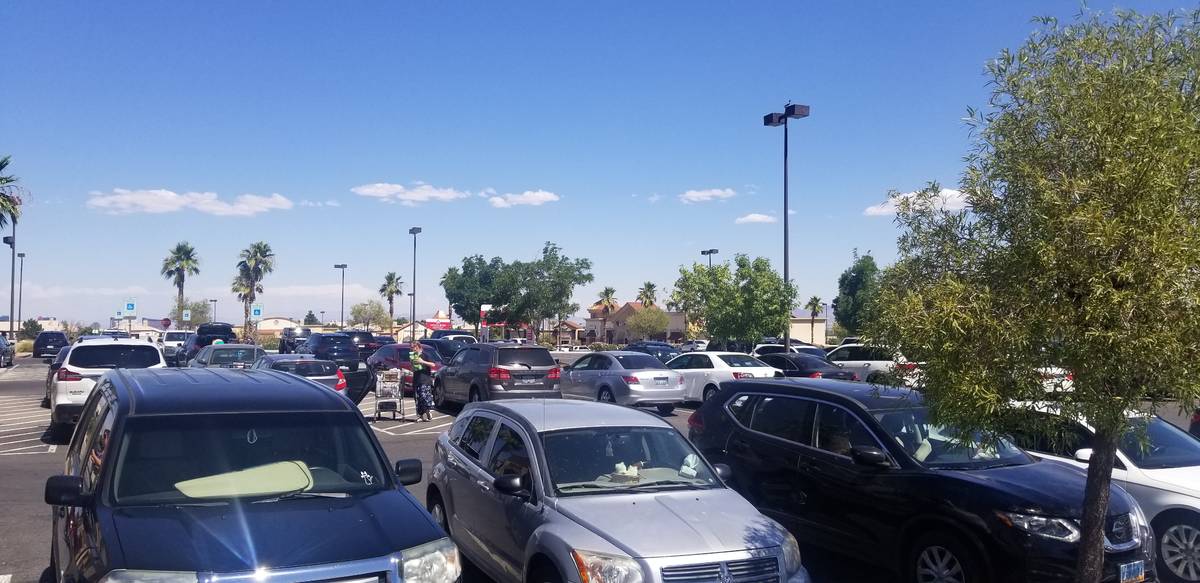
x: 723, y: 471
x: 66, y: 491
x: 517, y: 486
x: 408, y: 472
x: 1083, y: 455
x: 869, y: 456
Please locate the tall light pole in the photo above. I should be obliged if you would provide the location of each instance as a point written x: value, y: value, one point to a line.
x: 11, y: 241
x: 790, y: 111
x: 342, y: 266
x: 212, y: 316
x: 322, y: 317
x: 21, y: 286
x: 709, y: 253
x: 412, y: 311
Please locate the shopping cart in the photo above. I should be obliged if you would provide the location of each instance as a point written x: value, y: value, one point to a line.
x: 389, y: 394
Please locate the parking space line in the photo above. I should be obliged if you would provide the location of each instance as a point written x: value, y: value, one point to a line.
x: 19, y: 428
x: 22, y: 409
x: 10, y: 451
x: 22, y: 441
x: 10, y: 406
x: 38, y: 432
x: 381, y: 430
x: 8, y: 419
x: 5, y: 578
x: 424, y: 429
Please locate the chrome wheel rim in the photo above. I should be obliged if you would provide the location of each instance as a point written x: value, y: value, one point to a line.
x: 439, y: 515
x: 1180, y: 550
x: 938, y: 565
x: 606, y: 397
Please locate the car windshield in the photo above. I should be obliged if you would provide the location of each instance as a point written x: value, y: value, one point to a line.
x: 638, y: 361
x: 180, y: 459
x: 1152, y: 443
x: 215, y: 330
x: 527, y: 356
x: 427, y: 353
x: 938, y: 446
x: 339, y: 341
x: 604, y: 460
x: 742, y: 361
x: 176, y: 336
x: 235, y: 355
x: 114, y: 356
x: 307, y: 368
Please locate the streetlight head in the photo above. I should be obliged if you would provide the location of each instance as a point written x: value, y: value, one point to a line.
x: 773, y: 119
x: 414, y: 230
x: 21, y: 255
x: 340, y: 266
x: 713, y: 251
x: 795, y: 111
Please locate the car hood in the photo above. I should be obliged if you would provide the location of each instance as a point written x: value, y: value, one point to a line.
x: 1043, y: 487
x: 288, y: 533
x: 683, y: 522
x: 1185, y: 480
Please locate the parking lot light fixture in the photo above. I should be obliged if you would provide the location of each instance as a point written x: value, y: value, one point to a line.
x: 709, y: 253
x: 412, y: 310
x: 790, y: 111
x: 342, y: 266
x: 21, y: 287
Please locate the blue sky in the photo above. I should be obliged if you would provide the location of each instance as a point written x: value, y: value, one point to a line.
x: 629, y: 133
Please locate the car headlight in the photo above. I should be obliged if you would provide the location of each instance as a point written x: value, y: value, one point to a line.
x: 791, y: 556
x: 605, y: 568
x: 433, y: 562
x: 124, y: 576
x: 1059, y: 529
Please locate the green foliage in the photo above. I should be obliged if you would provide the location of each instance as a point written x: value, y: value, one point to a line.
x: 648, y: 323
x: 744, y: 302
x: 648, y: 294
x: 23, y: 346
x: 310, y: 319
x: 269, y: 342
x: 856, y: 286
x: 29, y: 329
x: 256, y: 262
x: 392, y: 286
x: 520, y: 292
x: 598, y: 346
x: 1079, y: 246
x: 10, y: 204
x: 370, y: 313
x: 200, y: 311
x: 180, y: 262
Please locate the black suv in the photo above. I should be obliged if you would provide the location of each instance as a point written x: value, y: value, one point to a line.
x: 364, y: 341
x: 163, y: 483
x: 863, y: 470
x: 291, y: 338
x: 205, y: 335
x: 334, y: 346
x: 49, y: 343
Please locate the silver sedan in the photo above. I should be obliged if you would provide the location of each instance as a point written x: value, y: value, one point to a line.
x: 625, y: 378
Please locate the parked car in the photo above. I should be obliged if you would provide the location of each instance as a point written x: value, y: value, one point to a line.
x: 862, y: 470
x: 483, y: 372
x: 660, y: 350
x: 557, y: 491
x: 333, y: 346
x: 397, y: 356
x: 85, y: 362
x: 445, y: 347
x: 808, y: 366
x: 694, y: 346
x: 703, y: 372
x: 1157, y: 463
x: 850, y: 340
x: 623, y: 377
x: 1194, y: 429
x: 49, y: 343
x: 445, y: 333
x: 205, y: 335
x: 291, y: 338
x: 385, y: 339
x: 8, y: 352
x: 168, y: 485
x: 325, y: 372
x: 365, y: 341
x: 172, y: 342
x: 873, y: 364
x: 227, y: 356
x: 464, y: 338
x: 53, y: 364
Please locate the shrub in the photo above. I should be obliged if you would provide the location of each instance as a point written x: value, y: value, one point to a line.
x: 24, y: 346
x: 269, y: 342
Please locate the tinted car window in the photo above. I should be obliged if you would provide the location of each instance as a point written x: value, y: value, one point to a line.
x: 838, y: 430
x: 339, y: 341
x: 1153, y: 444
x: 114, y: 356
x: 511, y: 457
x: 307, y: 368
x: 741, y: 360
x: 234, y: 355
x: 214, y: 330
x: 770, y: 349
x: 778, y: 361
x: 742, y: 406
x: 176, y: 336
x: 785, y: 418
x: 637, y: 362
x: 51, y: 336
x: 530, y: 356
x: 476, y: 435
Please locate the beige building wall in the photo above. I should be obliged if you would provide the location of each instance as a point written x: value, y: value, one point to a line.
x: 812, y: 334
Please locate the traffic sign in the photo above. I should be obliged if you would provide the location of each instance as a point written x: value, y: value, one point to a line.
x: 166, y: 323
x: 256, y: 312
x: 130, y: 308
x: 186, y: 316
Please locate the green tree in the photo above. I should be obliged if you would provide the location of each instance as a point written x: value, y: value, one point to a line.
x: 370, y: 313
x: 199, y: 313
x: 748, y: 301
x: 10, y: 202
x: 1078, y: 248
x: 649, y: 323
x: 814, y: 309
x: 256, y: 262
x: 607, y: 305
x: 392, y: 286
x: 475, y: 283
x: 855, y: 288
x: 180, y: 262
x: 647, y: 294
x: 310, y: 319
x: 691, y: 295
x: 29, y: 329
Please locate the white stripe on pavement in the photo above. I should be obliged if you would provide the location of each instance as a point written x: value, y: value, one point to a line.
x: 19, y: 428
x: 423, y: 429
x: 12, y: 435
x: 13, y: 419
x: 5, y: 578
x: 22, y: 441
x: 9, y: 452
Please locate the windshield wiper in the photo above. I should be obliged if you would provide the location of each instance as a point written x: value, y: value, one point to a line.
x: 297, y: 495
x: 597, y: 487
x: 658, y: 483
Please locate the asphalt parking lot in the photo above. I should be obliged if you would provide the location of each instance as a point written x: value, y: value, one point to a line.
x: 28, y: 456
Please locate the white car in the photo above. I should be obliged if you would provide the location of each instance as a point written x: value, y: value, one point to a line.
x: 872, y: 361
x: 694, y: 346
x: 172, y: 340
x: 1162, y: 473
x: 703, y: 372
x: 464, y: 338
x: 86, y: 361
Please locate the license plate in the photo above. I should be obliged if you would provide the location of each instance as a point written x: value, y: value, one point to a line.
x: 660, y: 382
x: 528, y: 381
x: 1133, y: 572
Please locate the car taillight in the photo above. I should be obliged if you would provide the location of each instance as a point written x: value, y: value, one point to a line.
x: 499, y: 374
x: 815, y: 375
x: 632, y: 380
x: 681, y: 379
x: 66, y: 375
x: 1070, y: 376
x: 743, y: 375
x: 554, y: 374
x: 1196, y: 416
x: 695, y: 421
x: 854, y: 376
x: 341, y: 384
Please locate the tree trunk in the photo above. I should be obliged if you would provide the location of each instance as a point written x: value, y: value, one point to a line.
x: 391, y: 312
x: 246, y: 321
x: 180, y: 300
x: 1089, y: 567
x: 812, y: 330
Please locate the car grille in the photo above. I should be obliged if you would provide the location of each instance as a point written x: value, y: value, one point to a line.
x: 1119, y: 529
x: 760, y: 570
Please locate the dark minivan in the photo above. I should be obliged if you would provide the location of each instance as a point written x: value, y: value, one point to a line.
x: 163, y: 483
x: 333, y: 346
x: 205, y: 335
x: 483, y: 372
x: 49, y: 343
x: 864, y: 471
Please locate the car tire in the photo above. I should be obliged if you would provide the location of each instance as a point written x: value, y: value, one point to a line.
x: 439, y: 395
x: 709, y: 391
x: 545, y: 574
x: 437, y: 509
x: 946, y: 554
x: 1173, y: 532
x: 606, y: 396
x: 475, y: 396
x: 59, y: 433
x: 665, y: 409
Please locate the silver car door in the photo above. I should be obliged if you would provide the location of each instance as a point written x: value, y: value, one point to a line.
x: 576, y: 377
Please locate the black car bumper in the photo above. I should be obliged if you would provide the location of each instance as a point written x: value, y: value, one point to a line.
x: 42, y: 351
x: 66, y: 413
x: 1027, y: 558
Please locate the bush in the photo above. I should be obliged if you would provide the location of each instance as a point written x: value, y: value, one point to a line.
x: 597, y: 346
x: 24, y: 346
x: 269, y: 342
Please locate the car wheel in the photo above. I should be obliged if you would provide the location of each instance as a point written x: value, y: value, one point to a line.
x: 709, y: 391
x: 437, y: 509
x: 606, y: 396
x: 439, y: 395
x: 1178, y: 547
x: 665, y: 409
x: 940, y: 557
x: 546, y: 574
x: 474, y: 397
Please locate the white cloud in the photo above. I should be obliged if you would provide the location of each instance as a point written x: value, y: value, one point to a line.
x: 412, y: 195
x: 319, y: 203
x: 654, y: 198
x: 791, y: 211
x: 529, y: 197
x: 692, y: 196
x: 62, y: 291
x: 754, y: 218
x: 157, y: 201
x: 948, y: 199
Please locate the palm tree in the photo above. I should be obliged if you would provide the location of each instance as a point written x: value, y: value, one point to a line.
x: 10, y: 202
x: 392, y: 286
x: 180, y: 262
x: 256, y: 262
x: 814, y: 309
x: 648, y: 294
x: 607, y: 303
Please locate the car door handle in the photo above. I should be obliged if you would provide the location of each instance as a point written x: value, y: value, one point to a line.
x: 484, y: 485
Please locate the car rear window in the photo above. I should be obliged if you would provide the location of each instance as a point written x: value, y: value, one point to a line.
x: 307, y: 368
x: 235, y: 355
x: 531, y: 356
x: 114, y: 356
x: 639, y: 361
x: 215, y: 330
x: 53, y: 336
x: 339, y: 341
x: 176, y: 336
x: 741, y: 361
